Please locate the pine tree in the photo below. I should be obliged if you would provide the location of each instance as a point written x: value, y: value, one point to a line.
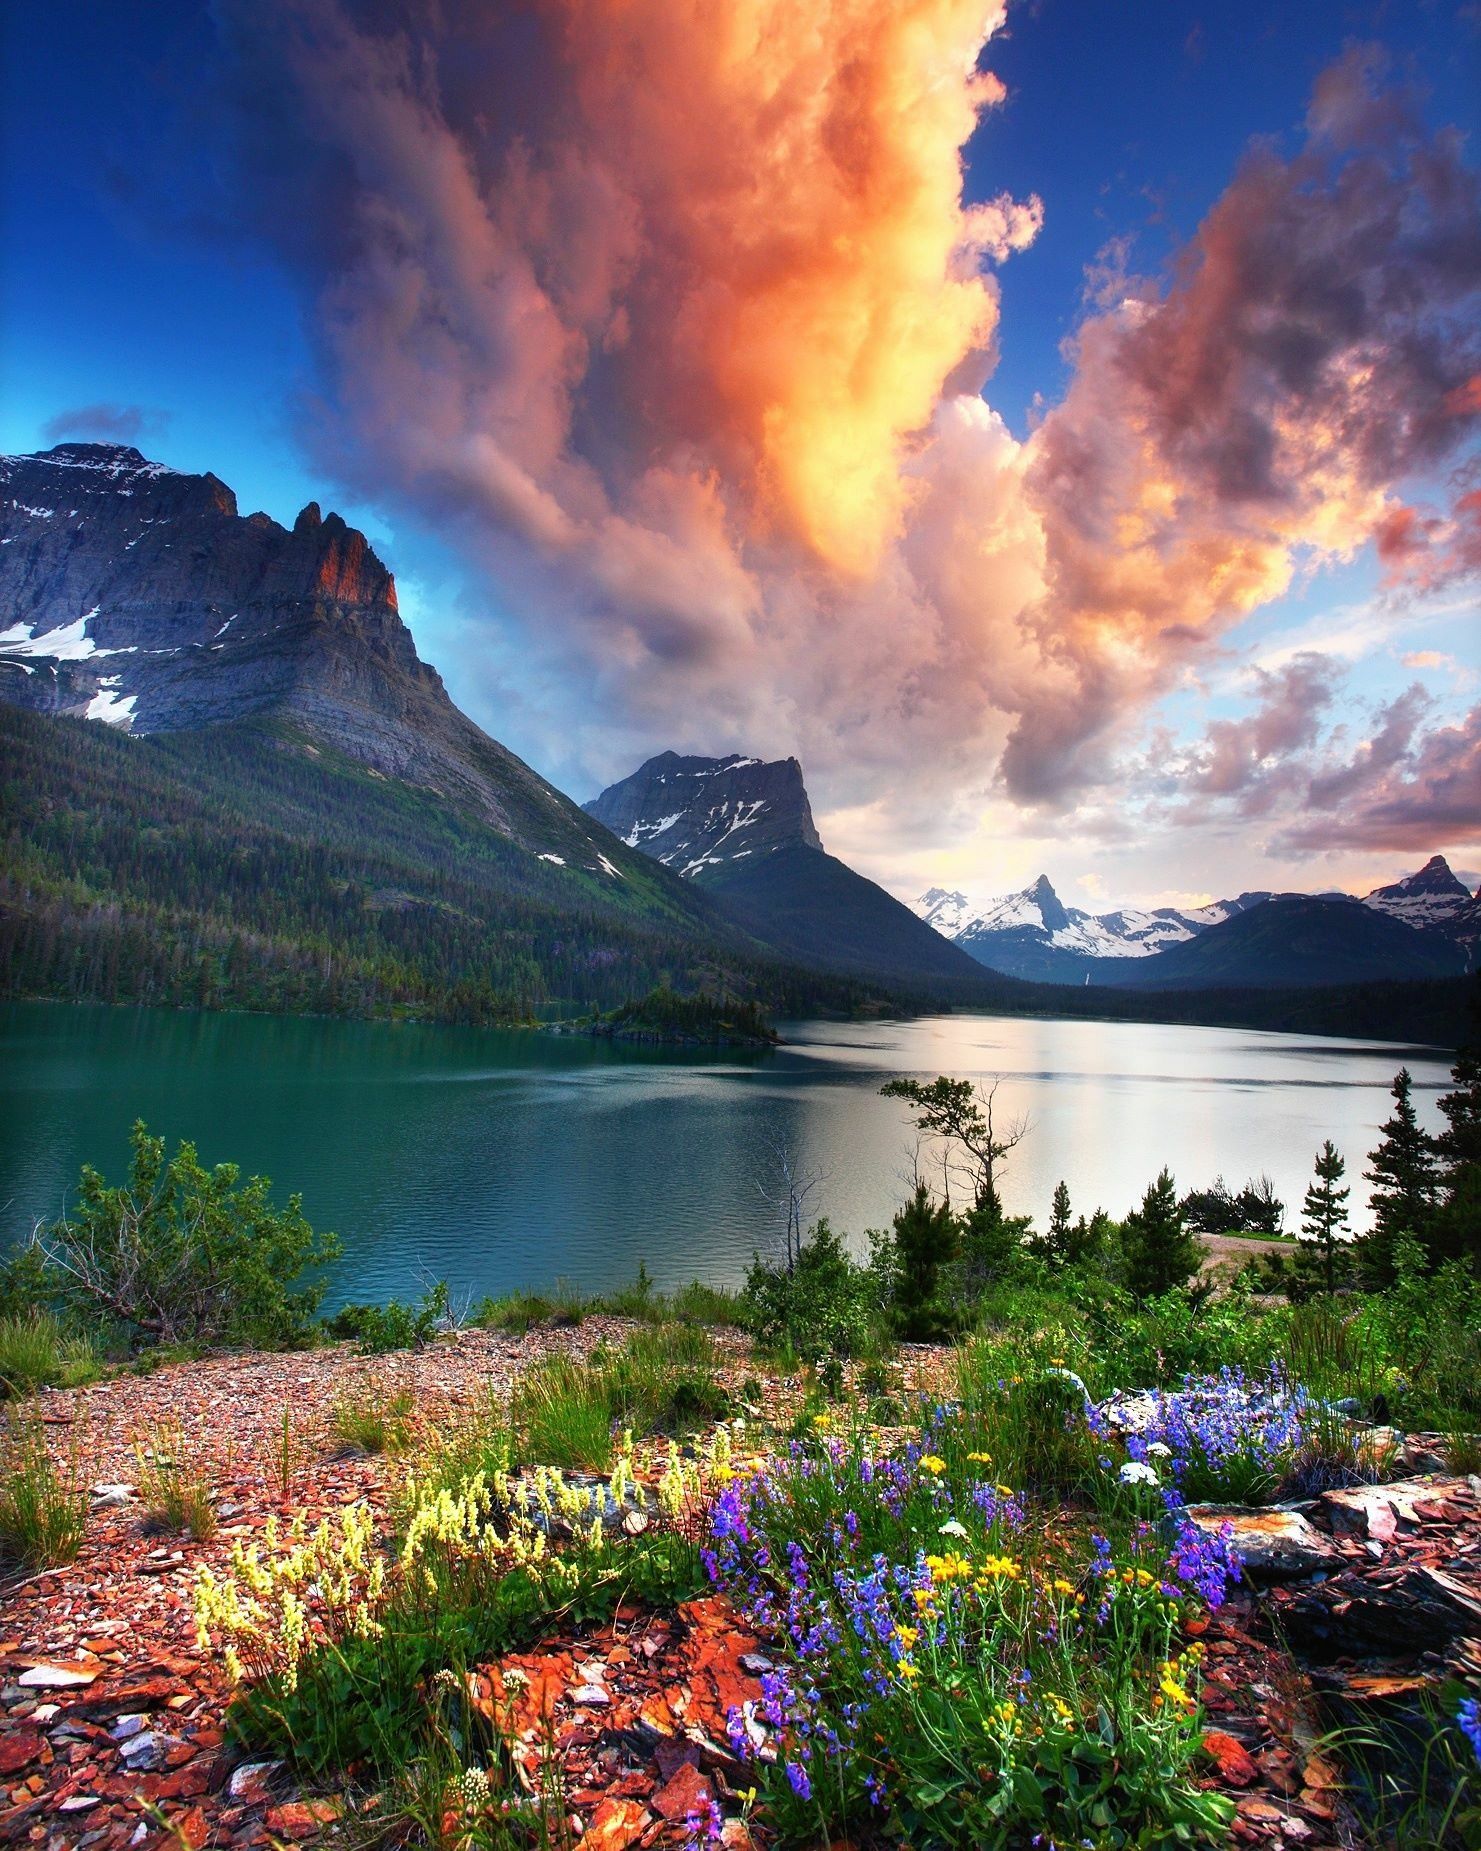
x: 927, y: 1238
x: 1060, y: 1231
x: 1324, y: 1214
x: 1161, y: 1253
x: 1456, y: 1228
x: 1405, y: 1188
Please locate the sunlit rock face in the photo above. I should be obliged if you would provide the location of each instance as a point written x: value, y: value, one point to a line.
x: 138, y: 596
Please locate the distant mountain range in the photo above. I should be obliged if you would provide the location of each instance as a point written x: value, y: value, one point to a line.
x: 1425, y: 925
x: 742, y: 828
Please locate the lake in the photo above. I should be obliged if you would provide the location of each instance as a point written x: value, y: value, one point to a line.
x: 498, y: 1159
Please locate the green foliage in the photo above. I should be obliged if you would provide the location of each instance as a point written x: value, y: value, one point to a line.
x: 175, y: 1491
x: 926, y: 1239
x: 1405, y: 1188
x: 665, y: 1015
x: 369, y: 1416
x: 1455, y: 1230
x: 1322, y: 1256
x: 1161, y: 1253
x: 1030, y: 1422
x: 396, y: 1325
x: 36, y: 1351
x: 43, y: 1509
x: 824, y: 1305
x: 1255, y: 1209
x: 182, y: 1254
x: 572, y: 1414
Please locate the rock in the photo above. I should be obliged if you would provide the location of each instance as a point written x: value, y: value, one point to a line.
x: 130, y: 1725
x: 616, y: 1825
x: 249, y: 1782
x: 679, y: 1797
x: 302, y: 1818
x: 113, y: 1494
x: 1274, y: 1545
x: 590, y: 1697
x: 19, y: 1748
x: 1236, y: 1767
x: 146, y: 1752
x: 59, y: 1677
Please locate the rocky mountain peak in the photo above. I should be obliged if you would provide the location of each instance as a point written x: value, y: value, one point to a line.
x: 696, y: 814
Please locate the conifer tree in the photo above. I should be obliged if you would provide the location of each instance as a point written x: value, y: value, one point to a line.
x: 1457, y: 1223
x: 1057, y: 1236
x: 1161, y: 1253
x: 1324, y: 1214
x: 927, y: 1238
x: 1405, y: 1188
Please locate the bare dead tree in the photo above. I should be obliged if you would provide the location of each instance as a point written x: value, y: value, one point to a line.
x: 975, y: 1135
x: 787, y: 1192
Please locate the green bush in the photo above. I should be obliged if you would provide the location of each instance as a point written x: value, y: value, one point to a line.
x: 182, y: 1254
x: 569, y: 1413
x: 370, y: 1417
x: 825, y: 1305
x: 397, y: 1325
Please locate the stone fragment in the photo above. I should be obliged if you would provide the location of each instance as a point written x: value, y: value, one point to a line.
x: 59, y: 1677
x: 249, y: 1782
x: 19, y: 1748
x: 590, y: 1697
x: 616, y: 1825
x: 679, y: 1797
x: 1236, y: 1768
x: 1273, y: 1545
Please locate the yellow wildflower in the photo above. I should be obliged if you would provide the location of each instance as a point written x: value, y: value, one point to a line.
x: 930, y: 1462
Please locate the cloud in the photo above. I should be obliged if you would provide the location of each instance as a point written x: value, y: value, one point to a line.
x: 1398, y: 791
x: 110, y: 423
x: 674, y: 316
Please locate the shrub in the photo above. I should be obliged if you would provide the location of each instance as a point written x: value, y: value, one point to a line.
x: 36, y: 1352
x: 924, y: 1241
x: 396, y: 1325
x: 824, y: 1305
x: 1031, y: 1425
x: 184, y: 1254
x: 1160, y: 1253
x: 43, y: 1510
x: 175, y: 1494
x: 370, y: 1417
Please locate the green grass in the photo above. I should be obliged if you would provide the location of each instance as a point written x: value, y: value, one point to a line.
x: 370, y: 1417
x: 175, y: 1491
x: 36, y: 1352
x: 43, y: 1510
x: 566, y: 1413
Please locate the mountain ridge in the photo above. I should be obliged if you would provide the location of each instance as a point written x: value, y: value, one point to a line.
x: 1033, y: 935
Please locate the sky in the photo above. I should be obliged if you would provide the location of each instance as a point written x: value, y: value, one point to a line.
x: 1054, y: 424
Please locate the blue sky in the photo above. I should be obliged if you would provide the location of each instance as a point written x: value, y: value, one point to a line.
x: 127, y: 282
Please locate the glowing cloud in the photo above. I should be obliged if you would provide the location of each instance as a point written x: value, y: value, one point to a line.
x: 672, y: 310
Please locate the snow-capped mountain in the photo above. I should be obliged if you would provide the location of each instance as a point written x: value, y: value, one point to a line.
x: 696, y: 814
x: 742, y: 828
x: 1033, y: 934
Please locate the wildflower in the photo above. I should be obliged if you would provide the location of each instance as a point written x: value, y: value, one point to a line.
x: 932, y: 1463
x: 907, y: 1671
x: 1133, y: 1474
x: 1469, y: 1718
x: 952, y: 1528
x: 797, y: 1776
x: 979, y: 1458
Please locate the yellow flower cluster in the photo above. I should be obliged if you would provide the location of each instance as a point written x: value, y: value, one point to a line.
x: 1172, y: 1679
x: 278, y: 1592
x: 932, y: 1463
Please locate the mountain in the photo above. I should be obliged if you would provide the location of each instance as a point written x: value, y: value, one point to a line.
x: 1293, y: 939
x: 1034, y: 935
x: 742, y: 829
x: 283, y: 808
x: 698, y: 813
x: 1435, y: 900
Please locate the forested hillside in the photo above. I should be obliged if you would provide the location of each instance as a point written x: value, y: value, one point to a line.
x: 245, y: 866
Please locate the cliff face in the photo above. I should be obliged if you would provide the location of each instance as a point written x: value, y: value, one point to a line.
x: 136, y: 595
x: 699, y: 815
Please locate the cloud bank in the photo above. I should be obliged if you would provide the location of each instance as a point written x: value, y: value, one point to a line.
x: 673, y: 313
